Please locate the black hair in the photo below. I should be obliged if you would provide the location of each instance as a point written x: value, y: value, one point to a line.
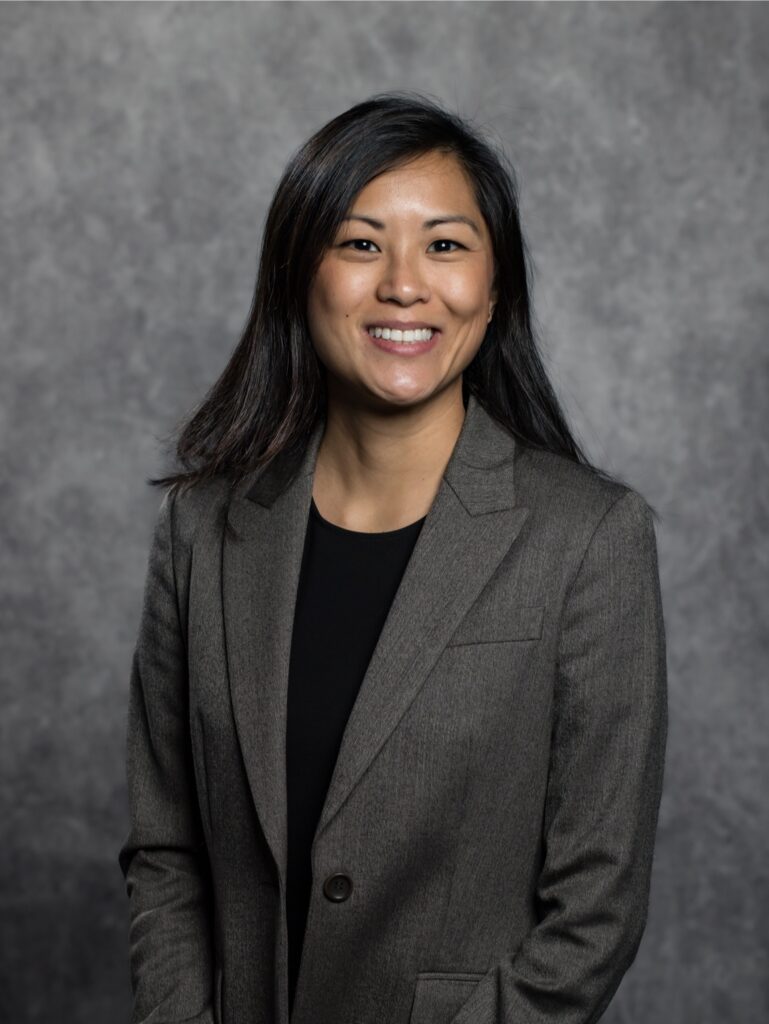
x: 272, y: 390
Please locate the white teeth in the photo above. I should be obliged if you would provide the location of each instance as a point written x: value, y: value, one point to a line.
x: 423, y: 334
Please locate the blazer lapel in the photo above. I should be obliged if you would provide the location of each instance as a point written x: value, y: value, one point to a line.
x: 474, y: 511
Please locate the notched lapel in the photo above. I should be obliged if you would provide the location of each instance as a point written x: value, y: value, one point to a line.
x: 470, y: 526
x: 260, y: 577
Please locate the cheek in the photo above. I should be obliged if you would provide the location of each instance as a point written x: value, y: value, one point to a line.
x: 467, y: 294
x: 332, y: 303
x: 323, y: 309
x: 337, y: 290
x: 321, y: 294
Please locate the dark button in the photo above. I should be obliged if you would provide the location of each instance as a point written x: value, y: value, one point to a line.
x: 337, y: 888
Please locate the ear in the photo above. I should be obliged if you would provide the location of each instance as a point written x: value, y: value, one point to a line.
x: 492, y: 304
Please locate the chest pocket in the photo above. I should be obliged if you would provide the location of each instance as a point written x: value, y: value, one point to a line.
x: 488, y: 623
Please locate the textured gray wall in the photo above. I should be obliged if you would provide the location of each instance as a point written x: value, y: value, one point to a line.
x: 140, y: 146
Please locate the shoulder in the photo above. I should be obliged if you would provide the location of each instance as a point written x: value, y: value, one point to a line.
x: 574, y: 499
x: 185, y: 511
x: 588, y: 525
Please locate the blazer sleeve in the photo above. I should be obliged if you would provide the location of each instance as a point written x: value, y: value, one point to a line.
x: 604, y: 787
x: 164, y: 859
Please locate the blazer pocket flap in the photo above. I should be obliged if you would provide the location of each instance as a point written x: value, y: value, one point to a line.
x: 484, y: 625
x: 438, y: 997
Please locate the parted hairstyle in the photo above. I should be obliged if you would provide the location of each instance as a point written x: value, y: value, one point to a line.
x: 271, y: 392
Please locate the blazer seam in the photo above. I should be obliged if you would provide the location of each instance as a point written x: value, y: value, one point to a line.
x: 194, y: 530
x: 589, y: 544
x: 172, y: 515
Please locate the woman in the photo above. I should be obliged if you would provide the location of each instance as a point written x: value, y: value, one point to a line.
x: 398, y: 703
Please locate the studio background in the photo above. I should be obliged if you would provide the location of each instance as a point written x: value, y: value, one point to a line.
x: 140, y: 146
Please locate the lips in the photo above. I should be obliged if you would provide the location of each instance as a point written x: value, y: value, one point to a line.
x: 407, y: 349
x: 403, y: 325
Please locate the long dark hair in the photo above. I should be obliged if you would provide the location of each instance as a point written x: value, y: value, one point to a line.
x: 272, y: 391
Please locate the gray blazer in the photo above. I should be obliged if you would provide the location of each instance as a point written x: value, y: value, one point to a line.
x: 485, y: 848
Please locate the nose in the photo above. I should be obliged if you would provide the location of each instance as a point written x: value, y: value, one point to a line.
x: 402, y: 280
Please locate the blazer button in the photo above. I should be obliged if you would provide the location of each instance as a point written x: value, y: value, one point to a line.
x: 337, y: 888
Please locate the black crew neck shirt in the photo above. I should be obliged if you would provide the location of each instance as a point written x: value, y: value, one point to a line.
x: 347, y: 582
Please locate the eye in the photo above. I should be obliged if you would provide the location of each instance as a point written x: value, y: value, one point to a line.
x: 353, y: 241
x: 367, y: 241
x: 440, y: 241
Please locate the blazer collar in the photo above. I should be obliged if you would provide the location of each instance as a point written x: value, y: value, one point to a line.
x: 474, y: 511
x: 482, y: 444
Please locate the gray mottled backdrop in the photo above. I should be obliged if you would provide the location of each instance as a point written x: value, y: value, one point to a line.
x: 140, y: 146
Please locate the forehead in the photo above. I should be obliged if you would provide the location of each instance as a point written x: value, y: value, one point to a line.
x: 431, y: 183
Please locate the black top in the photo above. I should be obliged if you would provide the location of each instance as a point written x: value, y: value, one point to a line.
x: 347, y: 583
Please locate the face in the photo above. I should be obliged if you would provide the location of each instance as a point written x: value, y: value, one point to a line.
x: 389, y: 264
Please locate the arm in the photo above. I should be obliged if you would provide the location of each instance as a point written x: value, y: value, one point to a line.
x: 604, y: 787
x: 164, y: 859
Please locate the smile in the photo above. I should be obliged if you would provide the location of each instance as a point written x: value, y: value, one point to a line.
x: 406, y: 344
x: 390, y: 334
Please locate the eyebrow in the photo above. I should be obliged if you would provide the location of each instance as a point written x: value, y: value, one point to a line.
x: 456, y: 218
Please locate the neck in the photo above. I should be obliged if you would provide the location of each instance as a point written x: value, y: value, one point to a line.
x: 381, y: 469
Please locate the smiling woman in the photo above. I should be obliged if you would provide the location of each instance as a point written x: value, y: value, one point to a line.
x: 411, y: 268
x: 367, y: 297
x: 398, y: 700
